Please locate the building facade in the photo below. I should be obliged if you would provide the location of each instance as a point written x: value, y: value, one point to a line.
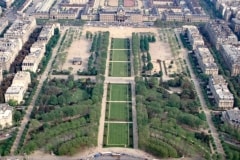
x: 231, y: 56
x: 5, y: 115
x: 21, y: 28
x: 206, y: 61
x: 194, y: 37
x: 9, y: 49
x: 220, y: 33
x: 232, y: 117
x: 222, y: 96
x: 18, y: 88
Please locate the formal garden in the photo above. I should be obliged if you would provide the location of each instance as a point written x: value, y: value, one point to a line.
x: 118, y: 116
x: 120, y: 65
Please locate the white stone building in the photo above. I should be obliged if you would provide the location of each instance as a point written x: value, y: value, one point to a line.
x: 222, y: 96
x: 19, y: 86
x: 206, y: 61
x: 5, y: 115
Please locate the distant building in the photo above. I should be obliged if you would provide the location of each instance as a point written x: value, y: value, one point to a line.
x: 21, y: 28
x: 232, y: 117
x: 206, y: 61
x: 3, y: 24
x: 235, y: 24
x: 5, y: 115
x: 9, y: 49
x: 222, y: 96
x: 120, y: 15
x: 19, y: 86
x: 220, y: 33
x: 47, y: 32
x: 184, y: 17
x: 231, y: 56
x: 6, y: 3
x: 32, y: 60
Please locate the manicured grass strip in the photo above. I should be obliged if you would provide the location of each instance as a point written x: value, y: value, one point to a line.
x: 118, y: 134
x: 119, y: 92
x: 120, y: 43
x: 119, y: 69
x: 118, y: 112
x: 120, y: 55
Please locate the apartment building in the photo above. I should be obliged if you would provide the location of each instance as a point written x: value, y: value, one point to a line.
x: 21, y: 78
x: 194, y: 37
x: 19, y: 86
x: 184, y: 17
x: 231, y: 56
x: 235, y: 24
x: 220, y: 33
x: 221, y: 94
x: 31, y: 61
x: 9, y: 49
x: 206, y: 61
x: 5, y: 115
x: 3, y: 24
x: 232, y: 117
x: 47, y: 32
x: 21, y: 28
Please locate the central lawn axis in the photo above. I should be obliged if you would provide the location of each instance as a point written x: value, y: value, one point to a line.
x: 120, y: 55
x: 118, y: 135
x: 119, y: 92
x: 119, y: 69
x: 120, y: 43
x: 118, y: 112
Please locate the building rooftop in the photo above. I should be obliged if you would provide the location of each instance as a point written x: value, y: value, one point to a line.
x: 5, y: 110
x: 221, y: 29
x: 14, y: 90
x: 233, y: 115
x: 205, y: 54
x: 220, y: 86
x: 21, y: 76
x: 232, y: 53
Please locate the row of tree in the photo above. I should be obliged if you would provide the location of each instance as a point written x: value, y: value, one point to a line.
x: 163, y: 122
x: 67, y: 117
x: 135, y: 51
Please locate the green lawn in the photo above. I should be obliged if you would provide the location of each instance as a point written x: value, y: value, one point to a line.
x: 119, y: 92
x: 120, y: 43
x: 119, y: 69
x: 118, y: 112
x: 118, y: 134
x: 120, y: 55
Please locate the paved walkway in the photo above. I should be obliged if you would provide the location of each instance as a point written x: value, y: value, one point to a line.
x: 26, y: 118
x: 118, y: 122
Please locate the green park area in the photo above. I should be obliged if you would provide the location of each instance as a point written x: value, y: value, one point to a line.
x: 66, y: 117
x: 120, y: 43
x: 120, y: 55
x: 119, y: 92
x: 118, y: 135
x: 119, y: 69
x: 118, y: 112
